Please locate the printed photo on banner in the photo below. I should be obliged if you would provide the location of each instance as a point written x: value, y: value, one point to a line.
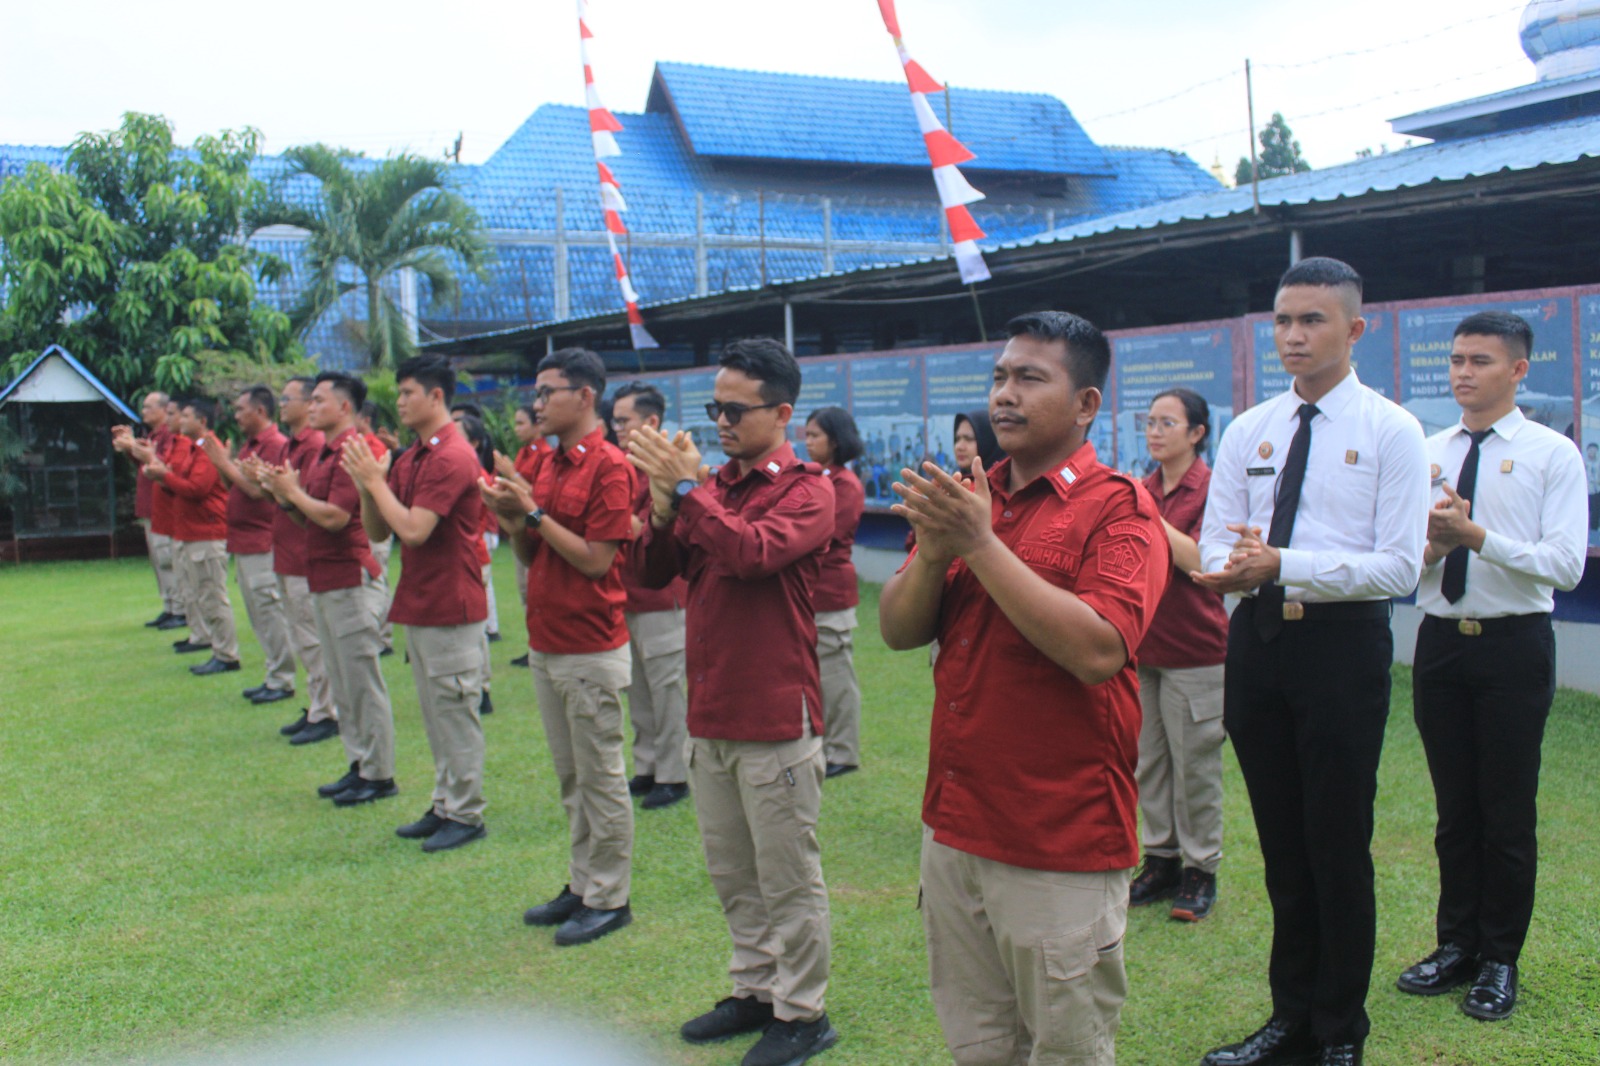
x: 958, y: 384
x: 1148, y: 364
x: 886, y: 395
x: 694, y: 392
x: 823, y: 383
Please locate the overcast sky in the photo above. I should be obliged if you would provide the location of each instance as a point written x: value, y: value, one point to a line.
x: 407, y: 74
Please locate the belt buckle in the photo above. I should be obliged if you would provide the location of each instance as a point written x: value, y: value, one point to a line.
x: 1293, y: 611
x: 1469, y: 627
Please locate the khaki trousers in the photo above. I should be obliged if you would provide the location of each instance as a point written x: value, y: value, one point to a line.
x: 656, y: 702
x: 491, y: 541
x: 199, y: 632
x: 1180, y: 764
x: 160, y: 548
x: 1025, y: 965
x: 758, y: 804
x: 347, y: 626
x: 204, y: 566
x: 302, y: 621
x: 841, y: 693
x: 580, y: 703
x: 263, y: 603
x: 522, y: 582
x: 447, y: 665
x: 380, y: 552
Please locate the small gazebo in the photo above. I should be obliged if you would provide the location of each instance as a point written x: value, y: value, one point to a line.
x: 64, y: 484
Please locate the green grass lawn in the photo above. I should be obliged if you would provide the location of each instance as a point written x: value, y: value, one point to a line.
x: 169, y: 883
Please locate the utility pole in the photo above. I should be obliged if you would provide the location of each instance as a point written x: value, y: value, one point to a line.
x: 1255, y: 176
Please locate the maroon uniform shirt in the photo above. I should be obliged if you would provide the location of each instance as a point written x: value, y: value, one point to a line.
x: 199, y: 499
x: 750, y: 548
x: 289, y: 536
x: 1027, y: 765
x: 641, y: 598
x: 1191, y: 626
x: 836, y: 579
x: 441, y: 581
x: 588, y: 488
x: 335, y: 560
x: 250, y: 521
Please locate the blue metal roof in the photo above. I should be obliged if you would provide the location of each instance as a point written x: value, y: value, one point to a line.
x: 83, y: 371
x: 1562, y: 142
x: 748, y: 114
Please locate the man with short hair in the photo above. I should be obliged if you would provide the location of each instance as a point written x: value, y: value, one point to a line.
x: 250, y: 516
x: 429, y: 499
x: 200, y: 504
x: 1039, y: 582
x: 1508, y: 527
x: 569, y: 529
x: 1317, y: 516
x: 656, y: 702
x: 346, y: 595
x: 749, y: 541
x: 153, y: 412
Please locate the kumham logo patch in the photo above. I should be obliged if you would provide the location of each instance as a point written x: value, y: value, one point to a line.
x: 1122, y: 556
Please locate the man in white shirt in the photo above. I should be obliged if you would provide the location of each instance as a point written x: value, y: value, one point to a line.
x: 1317, y: 516
x: 1508, y: 527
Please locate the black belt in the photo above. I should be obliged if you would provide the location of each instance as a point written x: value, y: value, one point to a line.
x: 1349, y: 611
x: 1480, y: 627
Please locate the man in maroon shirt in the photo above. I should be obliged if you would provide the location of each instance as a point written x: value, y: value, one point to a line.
x: 656, y: 702
x: 749, y: 540
x: 250, y: 516
x: 429, y: 499
x: 569, y: 530
x: 1038, y: 581
x: 153, y: 412
x: 346, y: 594
x: 199, y: 525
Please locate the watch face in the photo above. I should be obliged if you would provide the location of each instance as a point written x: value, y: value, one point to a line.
x: 684, y: 487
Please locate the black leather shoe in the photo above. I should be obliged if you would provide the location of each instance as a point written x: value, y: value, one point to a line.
x: 272, y: 695
x: 333, y: 788
x: 664, y: 795
x: 453, y: 834
x: 1159, y: 879
x: 1449, y: 966
x: 730, y: 1017
x: 1493, y: 995
x: 839, y: 769
x: 1196, y: 896
x: 316, y: 731
x: 215, y: 666
x: 422, y: 828
x: 1278, y: 1043
x: 298, y: 724
x: 173, y: 621
x: 185, y: 646
x: 521, y: 660
x: 791, y: 1043
x: 389, y: 651
x: 492, y: 638
x: 589, y: 924
x: 1340, y: 1055
x: 155, y: 623
x: 252, y: 693
x: 564, y: 906
x: 485, y: 705
x: 641, y: 784
x: 364, y: 791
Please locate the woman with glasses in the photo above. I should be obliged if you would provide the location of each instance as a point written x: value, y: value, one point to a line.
x: 1180, y: 679
x: 833, y: 442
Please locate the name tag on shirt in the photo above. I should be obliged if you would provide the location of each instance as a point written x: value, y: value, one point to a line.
x: 1260, y: 471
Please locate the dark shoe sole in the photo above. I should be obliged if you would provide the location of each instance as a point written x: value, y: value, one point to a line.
x: 1486, y: 1016
x: 1437, y: 990
x: 272, y: 695
x: 346, y: 799
x: 824, y: 1042
x: 1191, y: 915
x: 311, y: 734
x: 590, y: 937
x: 839, y: 770
x: 432, y: 844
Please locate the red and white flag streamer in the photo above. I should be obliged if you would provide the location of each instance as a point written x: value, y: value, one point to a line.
x: 603, y: 126
x: 944, y: 152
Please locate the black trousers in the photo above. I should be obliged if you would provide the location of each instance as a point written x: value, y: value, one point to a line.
x: 1306, y: 713
x: 1481, y: 704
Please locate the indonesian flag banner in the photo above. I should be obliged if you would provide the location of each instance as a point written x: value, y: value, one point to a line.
x: 603, y: 127
x: 944, y: 153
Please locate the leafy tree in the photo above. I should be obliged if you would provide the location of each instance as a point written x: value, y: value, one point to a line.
x: 376, y: 221
x: 1280, y: 153
x: 132, y: 258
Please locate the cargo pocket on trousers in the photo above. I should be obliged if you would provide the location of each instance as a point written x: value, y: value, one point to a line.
x: 449, y: 674
x: 1075, y: 1016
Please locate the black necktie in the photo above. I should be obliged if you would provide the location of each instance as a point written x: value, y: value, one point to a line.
x: 1269, y: 597
x: 1454, y: 585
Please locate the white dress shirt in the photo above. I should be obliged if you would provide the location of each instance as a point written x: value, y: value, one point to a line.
x: 1362, y: 521
x: 1531, y: 499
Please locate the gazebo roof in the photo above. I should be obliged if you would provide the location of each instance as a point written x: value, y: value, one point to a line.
x: 56, y: 377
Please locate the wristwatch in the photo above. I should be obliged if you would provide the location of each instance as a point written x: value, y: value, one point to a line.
x: 682, y: 489
x: 535, y: 516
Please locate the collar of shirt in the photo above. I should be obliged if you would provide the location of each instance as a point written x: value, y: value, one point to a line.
x: 1190, y: 481
x: 336, y: 444
x: 1506, y: 427
x: 769, y: 468
x: 303, y: 434
x: 1335, y: 402
x: 437, y: 437
x: 1060, y: 478
x: 260, y: 440
x: 579, y: 453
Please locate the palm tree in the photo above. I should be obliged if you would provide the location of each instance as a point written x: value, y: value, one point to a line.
x: 396, y: 215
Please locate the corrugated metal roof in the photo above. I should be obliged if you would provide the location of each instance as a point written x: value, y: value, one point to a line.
x: 749, y: 114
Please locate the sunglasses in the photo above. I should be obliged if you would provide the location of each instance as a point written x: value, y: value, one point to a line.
x: 733, y: 412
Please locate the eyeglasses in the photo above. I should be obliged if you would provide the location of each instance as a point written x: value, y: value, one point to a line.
x: 733, y: 412
x: 543, y: 393
x: 1165, y: 425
